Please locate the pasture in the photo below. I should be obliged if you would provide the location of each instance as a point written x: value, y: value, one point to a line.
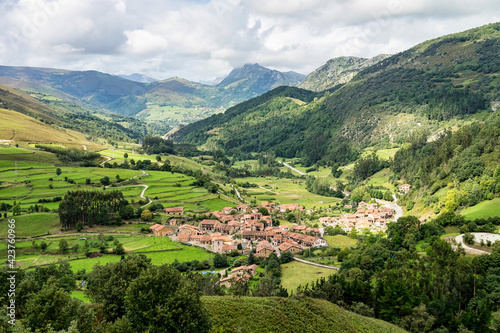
x: 296, y: 273
x: 485, y: 209
x: 341, y: 241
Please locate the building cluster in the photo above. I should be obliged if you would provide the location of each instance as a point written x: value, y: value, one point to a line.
x: 246, y: 226
x: 367, y: 217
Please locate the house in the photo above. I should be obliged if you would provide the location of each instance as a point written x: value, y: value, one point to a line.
x: 264, y: 249
x: 161, y: 230
x: 208, y: 225
x: 244, y: 208
x: 220, y: 244
x: 290, y: 246
x: 242, y: 270
x: 174, y: 211
x: 405, y: 188
x: 253, y: 235
x: 183, y: 237
x: 188, y: 229
x: 290, y: 207
x: 227, y: 210
x: 174, y: 221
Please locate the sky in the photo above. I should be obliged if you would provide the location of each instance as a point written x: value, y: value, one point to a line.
x: 201, y: 40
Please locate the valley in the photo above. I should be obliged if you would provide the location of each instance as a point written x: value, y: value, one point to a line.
x: 366, y: 198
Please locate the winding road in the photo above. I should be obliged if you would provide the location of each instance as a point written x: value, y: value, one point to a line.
x: 478, y: 236
x: 398, y: 209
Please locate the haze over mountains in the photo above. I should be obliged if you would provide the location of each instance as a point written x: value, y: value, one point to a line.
x: 145, y: 97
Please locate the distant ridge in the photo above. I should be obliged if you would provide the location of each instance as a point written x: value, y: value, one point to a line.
x: 338, y: 71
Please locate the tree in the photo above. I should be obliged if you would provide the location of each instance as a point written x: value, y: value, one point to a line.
x: 108, y: 284
x: 127, y: 212
x: 16, y: 210
x: 125, y: 155
x: 87, y: 181
x: 119, y: 249
x: 53, y: 306
x: 220, y: 261
x: 79, y: 226
x: 158, y: 158
x: 146, y: 215
x: 263, y: 211
x: 157, y: 294
x: 58, y: 171
x: 63, y: 246
x: 105, y: 181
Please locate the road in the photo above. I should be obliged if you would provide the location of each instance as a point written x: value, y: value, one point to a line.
x: 398, y: 209
x: 478, y: 236
x: 291, y: 167
x: 107, y: 160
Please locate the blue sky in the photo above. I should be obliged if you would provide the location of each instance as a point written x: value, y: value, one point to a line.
x: 203, y: 39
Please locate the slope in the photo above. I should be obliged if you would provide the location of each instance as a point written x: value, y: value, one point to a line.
x: 68, y: 116
x: 273, y: 314
x: 449, y: 78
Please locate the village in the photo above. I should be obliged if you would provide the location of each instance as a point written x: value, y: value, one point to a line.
x: 242, y: 229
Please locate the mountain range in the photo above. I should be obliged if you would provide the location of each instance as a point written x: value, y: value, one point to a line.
x: 172, y: 102
x: 421, y: 89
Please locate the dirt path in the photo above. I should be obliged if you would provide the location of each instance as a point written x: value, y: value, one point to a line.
x: 292, y: 168
x: 107, y: 160
x: 315, y: 264
x: 238, y: 194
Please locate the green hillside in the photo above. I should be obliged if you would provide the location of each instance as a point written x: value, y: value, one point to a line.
x: 431, y: 85
x: 58, y: 115
x: 263, y: 314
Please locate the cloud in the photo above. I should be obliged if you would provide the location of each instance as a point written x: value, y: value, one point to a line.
x: 203, y: 39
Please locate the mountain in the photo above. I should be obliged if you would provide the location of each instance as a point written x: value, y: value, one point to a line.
x: 338, y: 71
x: 138, y: 78
x: 253, y: 80
x: 423, y: 88
x: 165, y: 103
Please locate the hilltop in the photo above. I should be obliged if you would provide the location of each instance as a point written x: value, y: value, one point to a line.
x: 338, y: 71
x: 274, y: 314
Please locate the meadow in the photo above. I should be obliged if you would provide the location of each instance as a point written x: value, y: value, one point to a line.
x: 485, y: 209
x: 296, y: 273
x: 341, y: 241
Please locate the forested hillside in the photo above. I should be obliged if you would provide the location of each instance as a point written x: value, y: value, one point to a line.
x: 452, y: 77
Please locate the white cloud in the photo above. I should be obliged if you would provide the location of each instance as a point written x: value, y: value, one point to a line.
x: 201, y: 39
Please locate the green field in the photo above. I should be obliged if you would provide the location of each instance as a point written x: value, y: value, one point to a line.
x: 490, y: 208
x: 298, y: 315
x: 341, y: 241
x: 285, y: 191
x: 296, y: 273
x: 14, y: 150
x: 31, y: 225
x: 80, y: 295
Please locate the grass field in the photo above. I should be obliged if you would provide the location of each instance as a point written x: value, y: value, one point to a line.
x: 296, y: 273
x: 285, y: 191
x: 483, y: 209
x: 31, y: 225
x: 341, y: 241
x: 14, y: 150
x: 80, y: 295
